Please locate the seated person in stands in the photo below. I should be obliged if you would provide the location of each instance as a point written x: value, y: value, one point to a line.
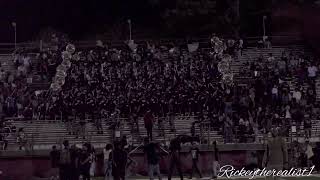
x: 21, y: 139
x: 27, y: 113
x: 3, y: 141
x: 307, y: 127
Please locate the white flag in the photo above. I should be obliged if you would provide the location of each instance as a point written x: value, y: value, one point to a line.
x: 132, y: 45
x: 193, y: 47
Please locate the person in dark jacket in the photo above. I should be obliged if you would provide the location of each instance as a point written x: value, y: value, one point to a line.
x: 152, y: 151
x: 175, y: 148
x: 65, y: 162
x: 119, y: 161
x: 85, y: 162
x: 54, y: 157
x: 74, y: 155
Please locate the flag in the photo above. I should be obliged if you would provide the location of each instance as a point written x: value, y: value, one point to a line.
x: 132, y: 45
x: 99, y: 43
x: 193, y: 47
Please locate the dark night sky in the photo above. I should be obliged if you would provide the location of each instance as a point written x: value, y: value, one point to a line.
x: 76, y: 17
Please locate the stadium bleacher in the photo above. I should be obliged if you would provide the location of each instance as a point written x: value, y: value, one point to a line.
x: 44, y: 134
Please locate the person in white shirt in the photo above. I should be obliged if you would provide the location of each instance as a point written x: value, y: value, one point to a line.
x: 271, y: 58
x: 240, y: 46
x: 309, y: 153
x: 240, y: 43
x: 26, y: 61
x: 274, y: 92
x: 312, y: 71
x: 288, y: 113
x: 241, y: 121
x: 297, y: 95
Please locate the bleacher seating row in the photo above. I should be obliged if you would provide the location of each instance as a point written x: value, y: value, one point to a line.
x: 44, y: 134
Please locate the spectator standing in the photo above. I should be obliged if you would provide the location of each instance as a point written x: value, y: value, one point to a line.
x: 85, y: 162
x: 297, y: 95
x: 74, y: 168
x: 309, y: 153
x: 240, y: 46
x: 148, y: 123
x: 69, y: 123
x: 317, y: 156
x: 215, y: 160
x: 81, y: 130
x: 54, y: 157
x: 107, y: 161
x: 276, y: 153
x: 22, y: 139
x: 119, y: 161
x: 312, y: 71
x: 65, y: 162
x: 307, y: 127
x: 228, y: 128
x: 134, y: 122
x: 275, y: 94
x: 3, y: 135
x: 175, y: 148
x: 194, y: 151
x: 152, y: 152
x: 296, y: 150
x: 98, y: 123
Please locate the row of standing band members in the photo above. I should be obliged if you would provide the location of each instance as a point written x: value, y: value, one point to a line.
x: 154, y: 151
x: 71, y: 162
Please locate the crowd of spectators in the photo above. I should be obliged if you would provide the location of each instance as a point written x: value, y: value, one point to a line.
x: 171, y: 80
x: 17, y: 99
x: 14, y: 96
x: 165, y: 79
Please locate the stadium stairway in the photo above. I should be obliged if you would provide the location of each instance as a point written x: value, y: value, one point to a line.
x: 45, y: 134
x: 164, y: 134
